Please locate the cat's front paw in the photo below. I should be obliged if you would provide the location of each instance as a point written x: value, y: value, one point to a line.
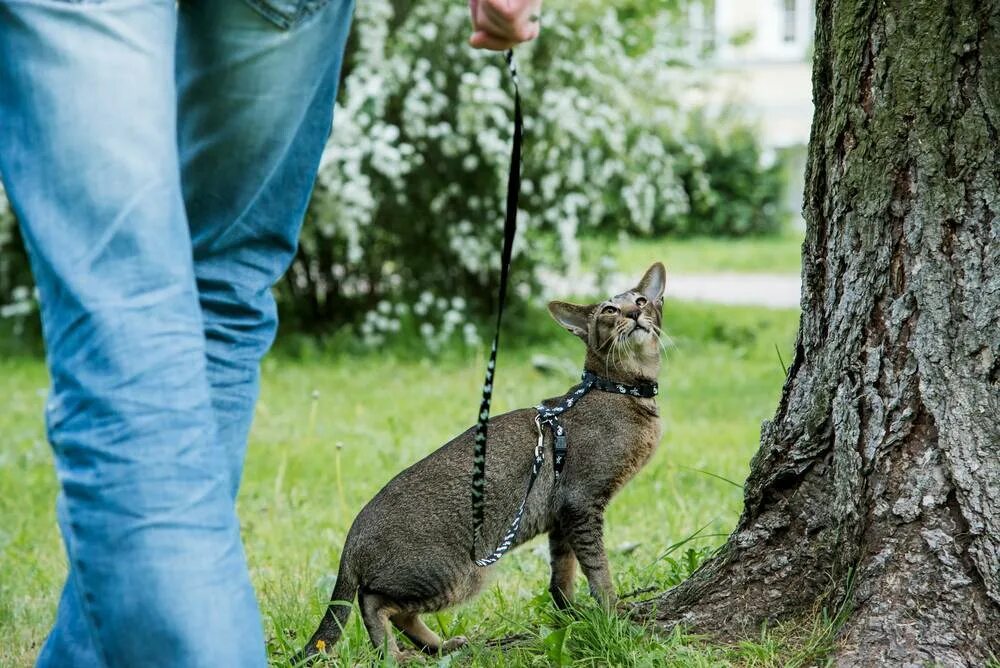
x: 452, y: 644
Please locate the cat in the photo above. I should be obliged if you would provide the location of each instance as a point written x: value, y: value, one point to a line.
x: 409, y: 549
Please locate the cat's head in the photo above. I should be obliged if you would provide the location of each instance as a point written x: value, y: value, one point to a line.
x: 622, y: 333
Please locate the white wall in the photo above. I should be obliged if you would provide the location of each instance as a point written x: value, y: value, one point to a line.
x: 762, y: 64
x: 759, y: 67
x: 780, y: 30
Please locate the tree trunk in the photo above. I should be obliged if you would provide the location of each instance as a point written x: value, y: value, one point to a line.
x: 877, y: 483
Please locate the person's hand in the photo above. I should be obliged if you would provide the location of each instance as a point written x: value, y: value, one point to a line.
x: 498, y: 25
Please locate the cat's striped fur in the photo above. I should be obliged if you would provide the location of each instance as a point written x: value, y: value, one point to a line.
x: 408, y: 551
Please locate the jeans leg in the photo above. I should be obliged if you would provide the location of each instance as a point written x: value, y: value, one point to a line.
x: 255, y: 110
x: 70, y: 643
x: 89, y: 156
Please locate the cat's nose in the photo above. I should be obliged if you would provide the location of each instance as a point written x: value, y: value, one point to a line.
x: 633, y: 313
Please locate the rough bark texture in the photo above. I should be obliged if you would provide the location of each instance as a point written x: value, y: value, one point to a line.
x: 881, y: 467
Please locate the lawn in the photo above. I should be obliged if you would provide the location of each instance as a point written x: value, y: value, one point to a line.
x: 321, y: 448
x: 779, y: 254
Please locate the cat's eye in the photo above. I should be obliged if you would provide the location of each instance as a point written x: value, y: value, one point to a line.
x: 640, y: 301
x: 609, y: 310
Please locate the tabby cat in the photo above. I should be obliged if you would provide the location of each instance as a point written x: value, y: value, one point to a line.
x: 408, y: 551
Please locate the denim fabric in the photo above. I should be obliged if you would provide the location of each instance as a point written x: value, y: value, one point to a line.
x: 159, y: 158
x: 287, y: 13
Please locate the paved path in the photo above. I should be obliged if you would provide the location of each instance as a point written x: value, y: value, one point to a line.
x: 769, y: 290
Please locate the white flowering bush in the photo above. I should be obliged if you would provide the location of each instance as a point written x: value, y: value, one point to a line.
x: 17, y: 300
x: 407, y: 214
x: 404, y: 229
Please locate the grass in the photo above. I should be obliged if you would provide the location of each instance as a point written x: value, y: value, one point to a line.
x: 322, y: 446
x: 779, y: 254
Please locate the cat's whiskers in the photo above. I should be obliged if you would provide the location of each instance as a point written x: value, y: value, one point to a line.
x: 624, y: 350
x: 610, y: 342
x: 607, y: 340
x: 620, y: 343
x: 659, y: 343
x: 623, y: 354
x: 614, y: 354
x: 660, y: 335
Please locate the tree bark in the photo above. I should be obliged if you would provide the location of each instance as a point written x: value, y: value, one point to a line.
x: 877, y: 483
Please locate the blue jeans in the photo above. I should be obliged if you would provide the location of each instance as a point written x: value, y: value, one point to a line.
x: 160, y: 158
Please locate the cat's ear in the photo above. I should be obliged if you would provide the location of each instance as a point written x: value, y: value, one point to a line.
x: 573, y: 317
x: 653, y: 281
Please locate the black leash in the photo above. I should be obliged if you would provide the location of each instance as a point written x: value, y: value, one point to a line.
x: 549, y: 416
x: 546, y: 416
x: 509, y: 231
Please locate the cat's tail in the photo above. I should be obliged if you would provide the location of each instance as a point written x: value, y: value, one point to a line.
x: 337, y: 612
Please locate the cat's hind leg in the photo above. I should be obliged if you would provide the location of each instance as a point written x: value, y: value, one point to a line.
x: 376, y: 611
x: 423, y: 637
x: 563, y: 563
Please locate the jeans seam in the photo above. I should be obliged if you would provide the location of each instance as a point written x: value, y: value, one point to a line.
x: 288, y: 21
x: 271, y: 14
x: 75, y: 568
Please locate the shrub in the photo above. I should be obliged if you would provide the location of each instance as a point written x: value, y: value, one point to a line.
x: 735, y: 186
x: 408, y: 205
x: 16, y: 285
x: 403, y: 231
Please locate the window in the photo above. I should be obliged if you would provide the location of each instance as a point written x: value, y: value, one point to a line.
x: 788, y: 21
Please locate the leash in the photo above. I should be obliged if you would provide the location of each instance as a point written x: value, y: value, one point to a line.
x: 546, y: 416
x: 509, y: 231
x: 549, y: 416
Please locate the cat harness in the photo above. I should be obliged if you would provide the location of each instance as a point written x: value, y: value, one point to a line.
x: 549, y: 417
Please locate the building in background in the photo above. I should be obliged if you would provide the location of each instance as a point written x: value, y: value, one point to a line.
x: 759, y: 58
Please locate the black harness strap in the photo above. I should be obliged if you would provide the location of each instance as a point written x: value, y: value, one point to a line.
x: 549, y: 415
x: 509, y: 231
x: 510, y: 535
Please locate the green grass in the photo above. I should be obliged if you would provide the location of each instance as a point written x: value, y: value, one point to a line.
x: 322, y: 445
x: 779, y: 254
